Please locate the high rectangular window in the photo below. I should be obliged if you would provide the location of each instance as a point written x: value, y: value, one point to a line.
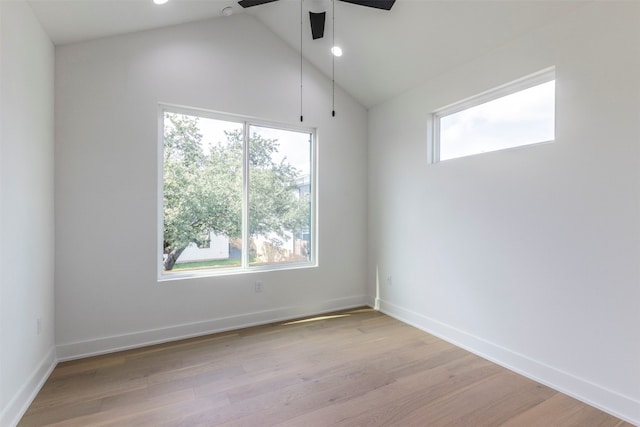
x: 236, y: 194
x: 514, y: 115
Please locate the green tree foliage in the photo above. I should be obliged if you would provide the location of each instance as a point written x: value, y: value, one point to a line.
x: 203, y: 188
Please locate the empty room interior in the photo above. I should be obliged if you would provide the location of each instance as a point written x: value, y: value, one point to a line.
x: 213, y: 170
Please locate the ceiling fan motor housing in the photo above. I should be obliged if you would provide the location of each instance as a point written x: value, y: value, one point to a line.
x: 317, y: 24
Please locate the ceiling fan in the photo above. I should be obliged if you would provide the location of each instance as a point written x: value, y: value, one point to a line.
x: 317, y: 19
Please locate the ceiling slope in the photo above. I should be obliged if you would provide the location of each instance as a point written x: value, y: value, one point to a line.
x: 385, y: 52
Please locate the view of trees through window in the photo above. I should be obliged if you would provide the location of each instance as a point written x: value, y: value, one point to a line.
x: 227, y: 204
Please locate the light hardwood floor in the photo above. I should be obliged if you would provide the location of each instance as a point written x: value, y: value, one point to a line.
x: 352, y: 368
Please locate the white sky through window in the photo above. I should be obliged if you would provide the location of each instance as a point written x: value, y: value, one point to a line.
x: 521, y: 118
x: 294, y: 145
x: 213, y: 131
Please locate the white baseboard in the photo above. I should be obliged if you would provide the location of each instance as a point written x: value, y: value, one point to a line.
x: 16, y: 408
x: 606, y: 400
x: 77, y: 350
x: 370, y: 302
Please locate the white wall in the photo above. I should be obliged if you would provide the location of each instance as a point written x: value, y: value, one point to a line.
x: 26, y: 208
x: 531, y: 256
x: 107, y: 93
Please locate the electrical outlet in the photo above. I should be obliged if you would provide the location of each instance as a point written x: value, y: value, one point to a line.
x: 389, y: 280
x: 257, y: 286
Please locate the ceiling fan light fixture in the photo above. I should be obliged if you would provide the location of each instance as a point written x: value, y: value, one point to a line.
x: 336, y: 51
x: 159, y: 2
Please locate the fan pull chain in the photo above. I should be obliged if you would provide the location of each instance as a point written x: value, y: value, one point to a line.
x: 301, y: 24
x: 333, y: 58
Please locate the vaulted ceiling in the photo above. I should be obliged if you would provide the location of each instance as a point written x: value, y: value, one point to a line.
x: 385, y: 52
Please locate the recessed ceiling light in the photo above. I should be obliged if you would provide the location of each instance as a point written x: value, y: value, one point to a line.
x: 160, y: 1
x: 336, y: 50
x: 226, y: 11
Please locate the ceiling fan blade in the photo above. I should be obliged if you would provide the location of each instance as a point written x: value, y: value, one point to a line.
x: 378, y: 4
x: 317, y: 24
x: 250, y: 3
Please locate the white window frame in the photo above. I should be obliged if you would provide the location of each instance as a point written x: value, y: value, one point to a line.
x: 245, y: 267
x: 540, y: 77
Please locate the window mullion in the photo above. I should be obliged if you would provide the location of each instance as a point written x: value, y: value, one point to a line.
x: 245, y: 197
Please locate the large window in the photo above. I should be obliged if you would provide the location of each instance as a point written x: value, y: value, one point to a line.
x: 517, y: 114
x: 236, y: 195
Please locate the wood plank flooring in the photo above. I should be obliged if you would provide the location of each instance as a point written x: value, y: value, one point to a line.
x: 352, y: 368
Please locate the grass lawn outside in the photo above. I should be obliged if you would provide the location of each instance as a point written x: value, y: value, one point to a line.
x: 195, y: 265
